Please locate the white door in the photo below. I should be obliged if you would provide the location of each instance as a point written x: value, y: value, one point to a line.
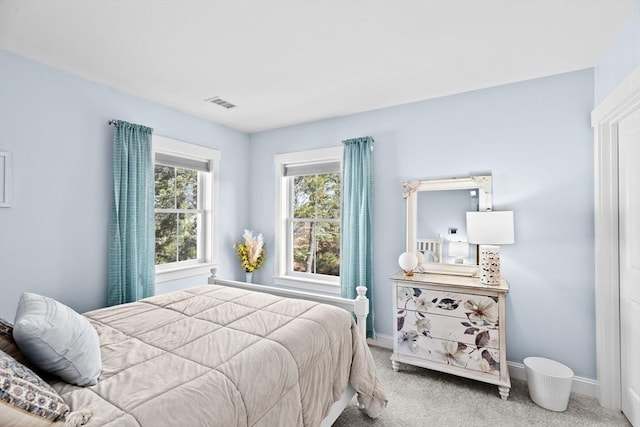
x: 629, y: 221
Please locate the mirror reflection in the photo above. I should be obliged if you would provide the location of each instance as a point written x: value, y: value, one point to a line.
x: 441, y: 219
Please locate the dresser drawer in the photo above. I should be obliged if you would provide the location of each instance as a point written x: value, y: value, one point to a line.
x: 450, y: 353
x: 478, y: 310
x: 448, y: 328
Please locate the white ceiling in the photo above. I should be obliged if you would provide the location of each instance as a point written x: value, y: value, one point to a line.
x: 287, y: 62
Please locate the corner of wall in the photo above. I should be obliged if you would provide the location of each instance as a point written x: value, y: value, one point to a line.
x: 620, y: 59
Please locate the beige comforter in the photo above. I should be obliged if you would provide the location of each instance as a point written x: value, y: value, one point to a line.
x: 219, y: 356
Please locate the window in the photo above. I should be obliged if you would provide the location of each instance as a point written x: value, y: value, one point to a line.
x: 308, y: 219
x: 184, y: 201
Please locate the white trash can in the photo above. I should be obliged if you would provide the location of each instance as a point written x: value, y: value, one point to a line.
x: 549, y: 383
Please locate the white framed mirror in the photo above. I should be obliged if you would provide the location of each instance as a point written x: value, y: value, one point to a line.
x: 436, y: 222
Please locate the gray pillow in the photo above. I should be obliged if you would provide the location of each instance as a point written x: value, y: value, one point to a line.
x: 57, y: 340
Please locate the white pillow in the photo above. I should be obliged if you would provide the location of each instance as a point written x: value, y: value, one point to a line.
x: 57, y: 340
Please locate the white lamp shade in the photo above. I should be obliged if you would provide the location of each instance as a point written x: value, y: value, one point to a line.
x: 408, y: 261
x: 458, y: 249
x: 490, y: 227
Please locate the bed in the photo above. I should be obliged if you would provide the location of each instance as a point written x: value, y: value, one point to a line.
x: 224, y: 354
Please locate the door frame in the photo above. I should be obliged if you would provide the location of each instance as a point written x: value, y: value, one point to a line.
x: 622, y: 101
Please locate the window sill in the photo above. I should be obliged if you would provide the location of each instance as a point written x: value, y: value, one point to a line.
x: 323, y: 286
x: 183, y: 272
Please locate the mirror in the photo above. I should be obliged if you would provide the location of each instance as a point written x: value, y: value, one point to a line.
x: 436, y: 221
x: 443, y: 213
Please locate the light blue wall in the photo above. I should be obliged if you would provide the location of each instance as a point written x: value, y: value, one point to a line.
x: 620, y: 59
x: 534, y: 137
x: 536, y: 140
x: 53, y: 240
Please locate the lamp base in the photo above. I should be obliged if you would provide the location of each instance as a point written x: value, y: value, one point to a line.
x: 490, y: 265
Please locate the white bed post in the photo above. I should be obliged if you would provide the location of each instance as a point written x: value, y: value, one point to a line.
x: 361, y: 310
x: 212, y: 279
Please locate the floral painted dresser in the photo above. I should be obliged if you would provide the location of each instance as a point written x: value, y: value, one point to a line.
x: 452, y: 324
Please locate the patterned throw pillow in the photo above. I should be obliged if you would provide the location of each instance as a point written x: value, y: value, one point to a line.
x: 25, y: 399
x: 8, y: 344
x: 6, y: 332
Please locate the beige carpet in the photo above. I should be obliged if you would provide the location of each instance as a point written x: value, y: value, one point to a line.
x: 420, y: 397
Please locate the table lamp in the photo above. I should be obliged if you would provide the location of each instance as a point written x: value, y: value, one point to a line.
x: 459, y: 251
x: 408, y: 261
x: 489, y: 229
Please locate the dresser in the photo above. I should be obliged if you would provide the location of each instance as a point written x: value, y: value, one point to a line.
x: 452, y: 324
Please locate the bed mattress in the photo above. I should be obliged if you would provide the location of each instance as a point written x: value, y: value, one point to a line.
x: 220, y: 356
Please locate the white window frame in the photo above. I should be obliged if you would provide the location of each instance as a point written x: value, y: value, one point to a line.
x: 208, y: 258
x: 283, y: 192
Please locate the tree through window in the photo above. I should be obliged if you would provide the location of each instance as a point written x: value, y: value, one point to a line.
x: 177, y: 214
x: 315, y: 224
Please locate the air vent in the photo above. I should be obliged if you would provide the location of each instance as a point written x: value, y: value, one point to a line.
x: 221, y: 102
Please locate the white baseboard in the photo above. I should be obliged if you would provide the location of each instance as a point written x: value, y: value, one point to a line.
x: 384, y: 341
x: 581, y: 385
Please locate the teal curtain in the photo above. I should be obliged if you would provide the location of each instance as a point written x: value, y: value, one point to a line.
x: 131, y: 264
x: 356, y: 246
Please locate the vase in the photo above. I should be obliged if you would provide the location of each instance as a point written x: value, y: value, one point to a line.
x: 490, y: 265
x: 249, y: 277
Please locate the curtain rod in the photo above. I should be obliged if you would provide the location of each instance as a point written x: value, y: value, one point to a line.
x: 114, y: 121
